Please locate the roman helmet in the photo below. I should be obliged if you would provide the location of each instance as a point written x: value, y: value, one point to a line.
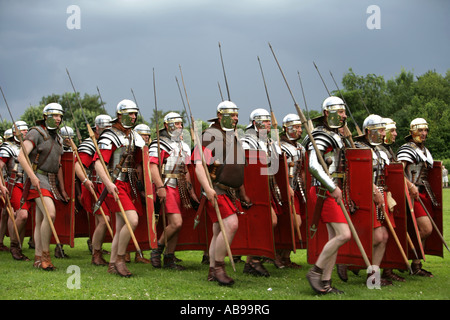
x: 372, y: 125
x: 415, y: 125
x: 142, y: 128
x: 259, y: 116
x: 49, y: 111
x: 227, y: 109
x: 170, y: 119
x: 8, y: 134
x: 102, y: 122
x: 390, y: 125
x: 21, y: 126
x: 333, y: 105
x: 125, y: 107
x: 289, y: 121
x: 66, y: 132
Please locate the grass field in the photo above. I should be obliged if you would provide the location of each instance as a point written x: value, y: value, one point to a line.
x: 20, y: 281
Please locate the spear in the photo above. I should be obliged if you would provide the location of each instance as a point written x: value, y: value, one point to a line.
x: 311, y: 126
x: 325, y: 167
x: 216, y: 206
x: 27, y: 159
x: 163, y: 203
x: 272, y: 115
x: 102, y: 161
x: 434, y: 224
x: 224, y: 74
x: 351, y: 115
x: 203, y: 200
x: 346, y: 130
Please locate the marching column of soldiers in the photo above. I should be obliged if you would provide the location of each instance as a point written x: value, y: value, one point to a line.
x: 260, y: 195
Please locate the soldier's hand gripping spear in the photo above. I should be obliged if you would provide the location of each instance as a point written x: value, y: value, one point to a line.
x: 198, y: 144
x: 24, y: 160
x: 102, y: 161
x: 325, y: 167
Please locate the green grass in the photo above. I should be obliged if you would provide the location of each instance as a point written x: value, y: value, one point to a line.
x: 20, y: 281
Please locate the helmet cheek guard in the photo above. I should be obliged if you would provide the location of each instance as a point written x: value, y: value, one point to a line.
x: 49, y: 113
x: 227, y: 109
x: 373, y: 126
x: 289, y: 121
x: 333, y: 105
x: 125, y: 108
x: 415, y: 126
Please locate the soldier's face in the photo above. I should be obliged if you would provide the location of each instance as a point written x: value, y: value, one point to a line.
x: 423, y: 133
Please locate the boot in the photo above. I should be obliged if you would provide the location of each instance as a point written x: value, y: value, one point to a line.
x: 383, y: 281
x: 169, y: 262
x: 155, y: 256
x: 47, y: 262
x: 221, y: 275
x: 211, y: 274
x: 16, y: 252
x: 97, y: 258
x: 59, y: 252
x: 342, y: 272
x: 121, y: 267
x: 329, y: 289
x: 37, y: 261
x: 256, y: 268
x: 314, y: 277
x: 139, y: 259
x: 112, y: 268
x: 289, y: 264
x: 417, y: 270
x: 390, y: 275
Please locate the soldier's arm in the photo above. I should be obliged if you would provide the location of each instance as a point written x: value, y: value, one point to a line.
x: 61, y: 184
x: 203, y: 179
x: 84, y: 180
x: 112, y: 189
x: 24, y: 152
x: 156, y: 178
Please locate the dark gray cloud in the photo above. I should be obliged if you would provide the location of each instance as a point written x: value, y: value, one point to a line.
x: 120, y: 42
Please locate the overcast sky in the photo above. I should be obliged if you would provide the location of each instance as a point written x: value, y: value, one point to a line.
x: 118, y: 44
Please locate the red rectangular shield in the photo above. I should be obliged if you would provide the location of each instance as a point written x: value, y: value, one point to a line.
x: 145, y: 231
x: 359, y: 179
x: 255, y: 233
x: 395, y: 184
x: 188, y: 237
x: 284, y: 232
x: 433, y: 244
x: 65, y: 212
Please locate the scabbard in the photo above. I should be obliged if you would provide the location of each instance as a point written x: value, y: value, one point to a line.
x: 26, y: 190
x: 200, y: 210
x: 321, y: 195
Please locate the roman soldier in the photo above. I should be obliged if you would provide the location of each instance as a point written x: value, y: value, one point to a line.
x: 386, y: 147
x: 120, y: 151
x: 326, y: 191
x: 9, y: 152
x: 225, y: 159
x: 44, y: 147
x: 256, y: 138
x: 295, y: 153
x: 173, y: 185
x: 89, y: 186
x: 418, y: 162
x: 4, y: 215
x: 144, y: 131
x: 374, y: 130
